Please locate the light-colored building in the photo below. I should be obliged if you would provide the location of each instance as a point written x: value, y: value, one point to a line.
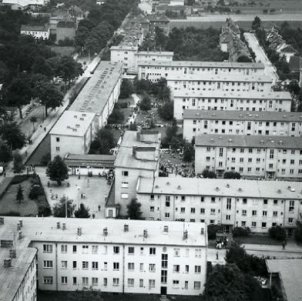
x: 18, y: 265
x: 227, y: 83
x: 101, y: 92
x: 36, y: 31
x: 138, y: 155
x: 145, y: 6
x: 21, y: 4
x: 73, y: 133
x: 118, y: 256
x: 258, y: 205
x: 252, y: 156
x: 231, y: 101
x: 154, y: 70
x: 197, y: 122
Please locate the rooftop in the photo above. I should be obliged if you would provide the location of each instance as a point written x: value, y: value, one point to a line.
x: 12, y: 277
x: 158, y: 53
x: 220, y: 187
x: 46, y: 230
x: 290, y: 273
x: 233, y: 95
x: 197, y: 64
x: 241, y: 115
x: 34, y: 28
x: 106, y: 161
x: 73, y: 123
x: 95, y: 94
x: 274, y: 142
x: 138, y: 153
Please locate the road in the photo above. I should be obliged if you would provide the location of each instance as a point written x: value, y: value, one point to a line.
x: 261, y: 56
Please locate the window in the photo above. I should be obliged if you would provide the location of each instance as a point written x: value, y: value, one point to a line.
x: 176, y: 252
x: 264, y: 202
x: 163, y: 278
x: 290, y: 220
x: 85, y: 280
x: 48, y: 280
x: 244, y: 201
x: 63, y: 248
x: 116, y: 250
x: 175, y: 283
x: 64, y: 264
x: 197, y: 252
x: 47, y: 248
x: 116, y: 266
x: 95, y: 281
x: 152, y: 267
x: 182, y: 210
x: 164, y: 261
x: 275, y: 213
x: 84, y: 265
x: 57, y: 148
x: 85, y: 249
x: 254, y: 212
x: 64, y: 280
x: 141, y: 283
x: 95, y: 265
x: 192, y: 210
x: 105, y: 281
x: 197, y: 285
x: 74, y: 249
x: 291, y: 205
x: 151, y: 283
x: 131, y: 250
x: 243, y: 212
x: 124, y: 184
x: 47, y: 264
x: 264, y: 213
x: 74, y: 280
x: 186, y: 285
x: 130, y: 282
x: 229, y: 204
x: 187, y: 268
x: 125, y: 173
x: 202, y: 210
x: 131, y: 266
x: 74, y: 264
x: 176, y: 268
x: 197, y: 269
x: 263, y: 225
x: 58, y: 139
x: 152, y: 251
x: 254, y: 224
x: 94, y: 249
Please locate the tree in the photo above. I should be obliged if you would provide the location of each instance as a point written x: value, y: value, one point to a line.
x: 256, y: 23
x: 20, y: 196
x: 126, y: 88
x: 103, y: 142
x: 166, y: 111
x: 231, y: 175
x: 33, y: 120
x: 241, y: 232
x: 133, y: 209
x: 68, y: 69
x: 82, y: 212
x: 212, y: 230
x: 18, y: 163
x: 12, y: 135
x: 209, y: 174
x: 145, y: 104
x: 298, y: 232
x: 57, y: 170
x: 116, y: 117
x: 293, y: 87
x: 189, y: 152
x: 277, y: 233
x: 62, y: 207
x: 5, y: 153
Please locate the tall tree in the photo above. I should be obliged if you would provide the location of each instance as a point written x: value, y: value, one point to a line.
x: 256, y: 24
x: 20, y: 196
x: 82, y: 212
x: 126, y: 88
x: 64, y: 208
x: 12, y: 135
x: 57, y: 170
x: 134, y: 209
x: 103, y: 142
x: 5, y: 153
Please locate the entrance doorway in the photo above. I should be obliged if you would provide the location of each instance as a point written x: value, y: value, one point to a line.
x: 163, y: 290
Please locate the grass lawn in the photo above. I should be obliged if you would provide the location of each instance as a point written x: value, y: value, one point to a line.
x: 258, y: 239
x: 27, y: 207
x: 80, y: 296
x: 40, y: 151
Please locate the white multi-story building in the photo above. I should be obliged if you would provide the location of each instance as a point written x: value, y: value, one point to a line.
x: 73, y: 133
x: 101, y: 92
x: 154, y: 70
x: 230, y: 101
x: 252, y: 156
x: 18, y: 265
x: 226, y: 83
x: 118, y: 256
x: 36, y: 31
x: 21, y: 4
x: 197, y: 122
x: 138, y: 155
x: 258, y: 205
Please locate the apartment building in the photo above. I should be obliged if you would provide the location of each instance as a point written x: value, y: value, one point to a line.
x: 230, y: 83
x: 154, y: 70
x: 258, y: 205
x: 231, y: 101
x: 36, y: 31
x: 197, y: 122
x: 277, y: 157
x: 73, y: 133
x: 101, y: 92
x: 118, y: 256
x: 138, y: 155
x: 18, y: 265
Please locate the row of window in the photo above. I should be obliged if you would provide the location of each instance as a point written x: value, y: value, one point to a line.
x: 222, y: 100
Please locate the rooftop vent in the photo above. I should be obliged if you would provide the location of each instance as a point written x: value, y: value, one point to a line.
x: 105, y: 231
x: 185, y: 234
x: 230, y: 140
x: 240, y: 189
x: 168, y: 183
x: 166, y: 229
x: 217, y: 188
x: 279, y: 191
x: 126, y: 228
x: 79, y: 232
x: 63, y: 226
x: 21, y: 223
x: 12, y: 253
x: 145, y: 233
x: 20, y: 235
x: 178, y: 187
x: 156, y: 186
x: 7, y: 263
x: 1, y: 220
x: 58, y: 225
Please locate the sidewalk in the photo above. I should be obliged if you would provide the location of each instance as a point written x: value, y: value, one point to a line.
x: 291, y: 247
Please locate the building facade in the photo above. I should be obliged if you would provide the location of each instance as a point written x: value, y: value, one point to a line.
x: 276, y: 157
x: 197, y: 122
x: 119, y: 256
x: 230, y: 101
x: 258, y: 205
x: 37, y: 32
x: 138, y: 155
x: 73, y: 133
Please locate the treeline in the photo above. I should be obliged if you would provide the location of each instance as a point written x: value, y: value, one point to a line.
x: 293, y: 36
x: 94, y: 32
x: 188, y: 44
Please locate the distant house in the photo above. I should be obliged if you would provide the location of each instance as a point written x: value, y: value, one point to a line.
x: 66, y: 30
x: 22, y: 4
x: 36, y: 31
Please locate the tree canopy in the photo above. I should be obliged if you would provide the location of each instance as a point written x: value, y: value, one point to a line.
x: 134, y: 209
x: 57, y: 170
x: 12, y: 135
x: 103, y: 142
x: 62, y: 207
x: 82, y: 212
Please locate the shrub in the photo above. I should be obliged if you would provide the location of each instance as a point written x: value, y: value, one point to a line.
x: 241, y: 232
x: 277, y: 233
x: 35, y: 192
x: 209, y: 174
x: 212, y: 230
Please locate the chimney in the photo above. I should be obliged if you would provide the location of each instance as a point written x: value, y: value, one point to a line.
x: 145, y: 233
x: 166, y: 229
x: 21, y: 223
x: 63, y: 226
x: 12, y: 253
x: 58, y: 225
x: 105, y: 231
x: 126, y: 228
x: 185, y: 235
x: 7, y: 263
x: 79, y: 231
x: 134, y: 148
x: 20, y: 235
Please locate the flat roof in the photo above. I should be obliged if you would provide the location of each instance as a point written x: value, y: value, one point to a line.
x: 220, y: 187
x: 244, y: 141
x: 243, y: 115
x: 95, y: 94
x: 73, y: 123
x: 290, y: 273
x: 125, y: 157
x: 12, y: 277
x: 45, y: 230
x: 34, y: 28
x: 220, y: 78
x: 282, y: 95
x: 199, y: 64
x: 164, y: 53
x: 92, y: 160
